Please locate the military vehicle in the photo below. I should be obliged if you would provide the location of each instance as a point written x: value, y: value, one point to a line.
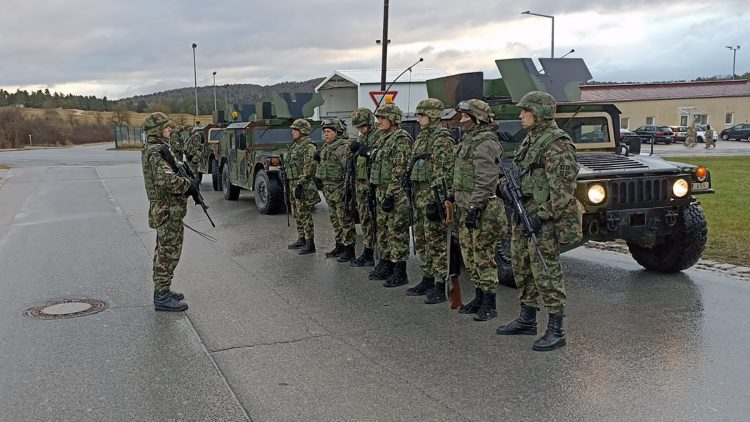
x: 210, y: 135
x: 626, y: 194
x: 250, y: 150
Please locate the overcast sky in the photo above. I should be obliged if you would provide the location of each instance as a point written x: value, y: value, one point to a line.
x: 125, y: 48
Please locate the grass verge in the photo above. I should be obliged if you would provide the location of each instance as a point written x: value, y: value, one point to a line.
x: 727, y: 209
x: 4, y: 166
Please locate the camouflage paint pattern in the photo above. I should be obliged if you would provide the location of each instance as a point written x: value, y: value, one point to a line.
x: 362, y: 186
x: 301, y: 167
x: 333, y: 157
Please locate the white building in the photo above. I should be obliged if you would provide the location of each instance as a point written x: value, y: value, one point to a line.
x: 346, y: 90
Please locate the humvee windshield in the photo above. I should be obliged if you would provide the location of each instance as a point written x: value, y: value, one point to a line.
x: 263, y: 135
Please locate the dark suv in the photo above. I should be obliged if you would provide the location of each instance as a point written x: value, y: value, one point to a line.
x: 656, y: 133
x: 741, y: 132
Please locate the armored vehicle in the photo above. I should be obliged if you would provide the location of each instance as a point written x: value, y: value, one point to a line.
x: 210, y: 135
x: 625, y: 194
x: 250, y: 151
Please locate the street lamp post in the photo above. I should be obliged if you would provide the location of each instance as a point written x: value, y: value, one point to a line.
x: 215, y: 91
x: 572, y: 50
x: 734, y: 56
x: 195, y: 78
x: 552, y: 54
x: 384, y: 58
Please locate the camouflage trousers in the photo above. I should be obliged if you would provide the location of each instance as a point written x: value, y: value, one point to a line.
x: 531, y: 278
x: 393, y: 238
x: 478, y: 245
x: 169, y: 238
x: 362, y: 187
x: 302, y: 209
x: 343, y: 223
x: 430, y: 237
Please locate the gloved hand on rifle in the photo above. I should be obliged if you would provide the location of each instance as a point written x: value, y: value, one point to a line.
x: 354, y: 147
x: 536, y: 225
x: 192, y: 188
x: 471, y: 218
x: 299, y: 192
x: 431, y: 211
x: 364, y: 151
x: 387, y: 204
x: 316, y: 157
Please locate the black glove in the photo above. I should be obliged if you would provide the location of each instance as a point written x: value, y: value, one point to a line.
x: 471, y: 218
x: 364, y: 151
x: 192, y: 188
x: 431, y: 211
x: 387, y: 204
x: 316, y: 157
x: 299, y: 192
x: 354, y: 147
x: 502, y: 192
x: 536, y: 225
x: 451, y: 198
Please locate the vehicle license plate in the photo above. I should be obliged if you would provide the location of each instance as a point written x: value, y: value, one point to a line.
x: 700, y: 186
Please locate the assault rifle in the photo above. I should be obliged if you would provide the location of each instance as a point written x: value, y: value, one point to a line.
x: 349, y: 185
x: 183, y: 170
x: 285, y: 189
x: 512, y: 191
x: 445, y: 214
x: 406, y: 184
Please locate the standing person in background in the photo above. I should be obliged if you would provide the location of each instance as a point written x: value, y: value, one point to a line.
x: 691, y: 136
x: 300, y: 167
x: 481, y: 214
x: 193, y: 147
x: 167, y: 196
x: 364, y: 121
x: 709, y: 137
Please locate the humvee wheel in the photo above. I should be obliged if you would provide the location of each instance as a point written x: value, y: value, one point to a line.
x: 216, y: 175
x: 504, y: 266
x: 681, y: 249
x: 269, y: 194
x: 231, y: 192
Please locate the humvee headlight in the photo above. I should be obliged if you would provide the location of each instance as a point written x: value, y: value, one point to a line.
x: 596, y: 194
x: 680, y: 188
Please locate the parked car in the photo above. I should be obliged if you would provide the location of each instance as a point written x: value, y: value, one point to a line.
x: 680, y: 133
x: 740, y: 132
x: 702, y: 135
x: 625, y: 132
x: 656, y: 133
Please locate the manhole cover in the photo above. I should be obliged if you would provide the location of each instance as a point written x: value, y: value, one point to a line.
x: 66, y: 308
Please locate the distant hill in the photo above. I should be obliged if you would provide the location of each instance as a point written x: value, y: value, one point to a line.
x: 183, y: 100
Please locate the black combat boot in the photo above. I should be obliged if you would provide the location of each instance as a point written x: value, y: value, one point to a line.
x: 164, y: 301
x: 382, y: 271
x: 348, y: 253
x: 525, y: 324
x: 554, y: 337
x: 364, y: 260
x: 177, y: 295
x: 487, y: 311
x: 436, y: 294
x: 308, y: 248
x: 426, y: 284
x: 399, y: 277
x: 336, y: 251
x: 473, y: 306
x: 297, y: 244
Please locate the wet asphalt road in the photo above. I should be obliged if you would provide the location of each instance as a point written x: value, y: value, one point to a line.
x: 271, y: 335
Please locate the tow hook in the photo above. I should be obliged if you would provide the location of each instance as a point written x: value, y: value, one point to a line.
x: 613, y: 221
x: 670, y: 219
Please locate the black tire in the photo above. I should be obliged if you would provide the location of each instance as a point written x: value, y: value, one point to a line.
x: 700, y: 139
x: 269, y: 194
x: 725, y: 137
x: 216, y: 175
x: 504, y: 266
x: 231, y: 192
x: 681, y: 249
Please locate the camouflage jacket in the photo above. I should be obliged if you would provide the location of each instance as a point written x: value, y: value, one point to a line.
x: 390, y: 161
x: 369, y: 140
x: 475, y: 171
x: 333, y: 158
x: 193, y: 148
x: 432, y: 158
x: 165, y: 189
x: 299, y: 162
x: 547, y: 168
x: 176, y: 143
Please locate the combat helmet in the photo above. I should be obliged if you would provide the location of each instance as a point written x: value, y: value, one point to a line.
x: 362, y: 117
x: 477, y: 109
x: 541, y: 104
x: 155, y: 123
x: 337, y: 125
x: 431, y: 107
x: 390, y: 112
x: 302, y: 125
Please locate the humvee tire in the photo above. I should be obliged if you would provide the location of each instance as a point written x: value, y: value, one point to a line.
x: 216, y: 175
x: 231, y: 192
x: 269, y: 194
x: 504, y: 266
x: 681, y: 250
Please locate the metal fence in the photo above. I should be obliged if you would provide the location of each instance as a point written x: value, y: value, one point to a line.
x: 127, y: 136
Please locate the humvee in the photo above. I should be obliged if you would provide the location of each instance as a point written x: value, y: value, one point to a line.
x: 250, y: 151
x: 210, y: 134
x: 626, y: 194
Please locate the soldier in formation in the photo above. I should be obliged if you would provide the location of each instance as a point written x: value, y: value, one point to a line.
x: 431, y: 172
x: 691, y: 137
x: 480, y: 213
x: 167, y: 194
x: 545, y: 163
x: 193, y: 147
x: 331, y: 170
x: 364, y: 121
x: 176, y: 141
x: 300, y: 167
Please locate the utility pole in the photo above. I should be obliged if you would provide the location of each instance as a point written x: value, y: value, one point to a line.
x: 195, y: 76
x: 215, y: 92
x: 385, y: 45
x: 734, y: 57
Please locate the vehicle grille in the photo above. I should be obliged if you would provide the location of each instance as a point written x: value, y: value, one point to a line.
x: 607, y: 161
x: 642, y: 191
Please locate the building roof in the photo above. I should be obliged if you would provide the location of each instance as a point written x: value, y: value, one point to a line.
x: 356, y: 77
x: 664, y: 91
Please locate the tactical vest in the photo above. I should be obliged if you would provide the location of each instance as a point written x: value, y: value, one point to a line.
x: 329, y: 167
x: 295, y: 161
x: 382, y: 167
x: 421, y: 170
x: 534, y: 183
x: 463, y: 168
x: 368, y: 141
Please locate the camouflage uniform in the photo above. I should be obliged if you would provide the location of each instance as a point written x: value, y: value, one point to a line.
x: 546, y: 166
x: 691, y: 137
x: 193, y: 147
x: 176, y: 143
x: 166, y: 192
x: 475, y: 180
x: 300, y: 167
x: 364, y: 117
x: 432, y: 168
x: 333, y: 158
x: 390, y: 162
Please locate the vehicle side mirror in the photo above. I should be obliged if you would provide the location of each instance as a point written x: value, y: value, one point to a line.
x: 634, y: 144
